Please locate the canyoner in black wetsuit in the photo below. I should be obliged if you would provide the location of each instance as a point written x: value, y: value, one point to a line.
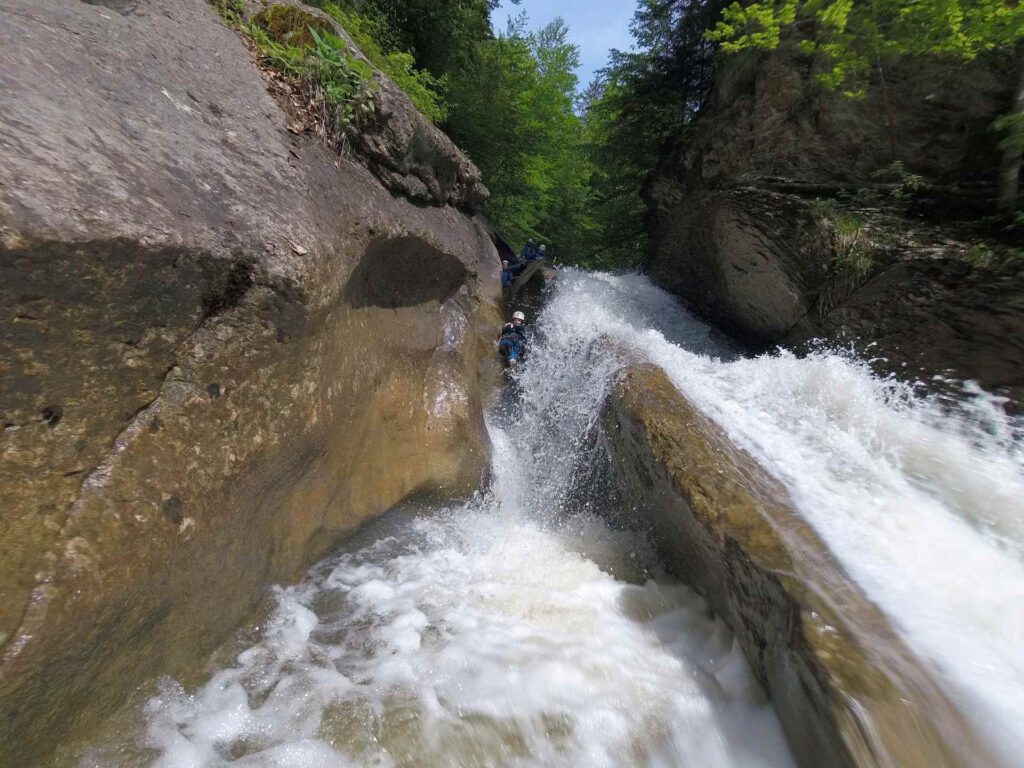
x: 512, y: 343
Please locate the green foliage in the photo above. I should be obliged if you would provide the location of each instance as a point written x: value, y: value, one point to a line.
x: 442, y: 35
x: 370, y: 32
x: 851, y: 36
x: 342, y: 81
x: 289, y: 60
x: 980, y: 255
x: 230, y: 10
x: 286, y: 35
x: 644, y: 101
x: 906, y: 183
x: 1011, y: 128
x: 338, y: 85
x: 513, y: 114
x: 996, y: 257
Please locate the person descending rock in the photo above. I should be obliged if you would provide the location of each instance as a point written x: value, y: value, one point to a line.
x: 512, y: 343
x: 507, y: 275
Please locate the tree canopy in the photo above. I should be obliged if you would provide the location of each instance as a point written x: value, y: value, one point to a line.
x: 852, y: 37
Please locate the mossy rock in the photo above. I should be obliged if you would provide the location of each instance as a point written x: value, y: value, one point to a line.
x: 290, y: 25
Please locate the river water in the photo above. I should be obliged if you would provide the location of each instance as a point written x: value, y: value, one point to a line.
x: 519, y: 629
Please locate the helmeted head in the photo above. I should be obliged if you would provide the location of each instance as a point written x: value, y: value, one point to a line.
x: 504, y: 263
x: 543, y: 247
x: 530, y: 241
x: 518, y: 318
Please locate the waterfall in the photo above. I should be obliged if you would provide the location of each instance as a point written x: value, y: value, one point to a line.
x: 921, y: 499
x: 521, y: 629
x: 516, y: 629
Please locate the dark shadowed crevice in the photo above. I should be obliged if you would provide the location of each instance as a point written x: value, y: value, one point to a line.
x: 227, y: 287
x: 403, y: 272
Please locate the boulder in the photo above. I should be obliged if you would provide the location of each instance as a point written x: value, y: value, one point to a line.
x: 223, y: 346
x: 753, y: 260
x: 527, y: 291
x: 846, y: 689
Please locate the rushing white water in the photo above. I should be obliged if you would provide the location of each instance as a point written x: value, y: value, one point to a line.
x: 923, y: 505
x: 518, y: 629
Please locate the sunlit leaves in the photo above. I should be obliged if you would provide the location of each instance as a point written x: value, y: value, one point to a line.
x: 850, y: 36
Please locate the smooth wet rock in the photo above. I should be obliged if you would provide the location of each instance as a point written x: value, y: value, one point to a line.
x: 223, y: 346
x: 848, y: 692
x: 527, y: 291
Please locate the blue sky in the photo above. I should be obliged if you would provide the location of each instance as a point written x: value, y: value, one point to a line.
x: 594, y: 25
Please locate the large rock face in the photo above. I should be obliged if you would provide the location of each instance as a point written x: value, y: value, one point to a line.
x: 744, y: 217
x: 222, y: 346
x: 936, y: 314
x: 768, y: 117
x: 847, y: 691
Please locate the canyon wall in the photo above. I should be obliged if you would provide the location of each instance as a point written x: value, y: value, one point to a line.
x: 792, y: 212
x: 224, y: 345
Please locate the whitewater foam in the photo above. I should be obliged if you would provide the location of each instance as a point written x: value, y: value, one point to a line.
x: 920, y: 498
x: 518, y: 629
x: 521, y: 630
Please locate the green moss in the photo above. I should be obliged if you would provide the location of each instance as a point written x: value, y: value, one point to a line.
x: 230, y: 10
x: 290, y: 25
x: 371, y: 34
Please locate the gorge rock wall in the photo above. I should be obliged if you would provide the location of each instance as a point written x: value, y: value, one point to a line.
x: 848, y: 693
x: 782, y: 217
x: 223, y: 345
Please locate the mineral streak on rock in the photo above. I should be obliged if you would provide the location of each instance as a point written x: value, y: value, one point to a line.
x: 194, y: 408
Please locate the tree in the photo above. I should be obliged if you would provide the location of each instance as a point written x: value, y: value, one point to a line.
x: 854, y: 36
x: 442, y: 34
x: 642, y: 100
x: 513, y: 114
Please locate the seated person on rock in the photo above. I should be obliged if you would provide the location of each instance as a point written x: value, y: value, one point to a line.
x: 540, y: 253
x: 512, y: 343
x: 507, y: 275
x: 529, y: 252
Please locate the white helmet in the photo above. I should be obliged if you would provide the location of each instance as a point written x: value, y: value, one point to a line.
x: 519, y: 316
x: 543, y: 247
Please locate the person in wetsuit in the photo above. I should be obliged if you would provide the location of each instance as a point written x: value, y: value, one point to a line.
x: 507, y: 275
x: 512, y: 343
x: 529, y: 252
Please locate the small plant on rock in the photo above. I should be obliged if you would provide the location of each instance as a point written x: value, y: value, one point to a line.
x: 851, y: 262
x: 337, y: 89
x: 341, y: 85
x: 906, y: 183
